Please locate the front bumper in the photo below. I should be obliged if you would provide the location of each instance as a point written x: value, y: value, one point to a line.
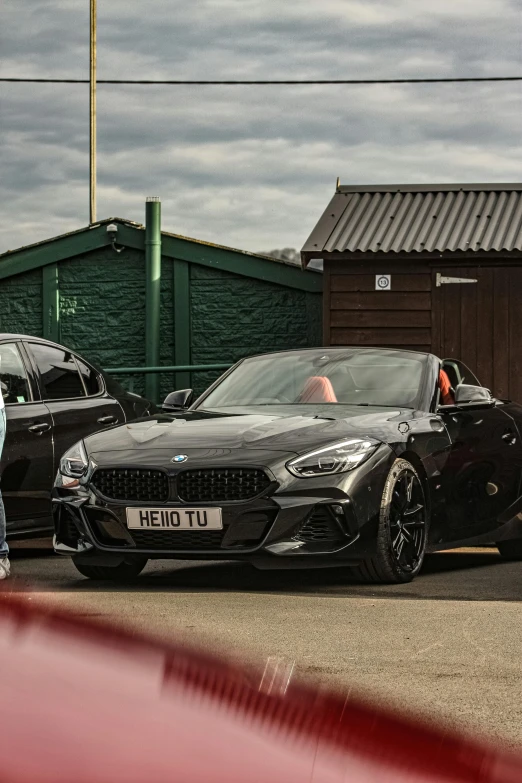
x: 304, y: 521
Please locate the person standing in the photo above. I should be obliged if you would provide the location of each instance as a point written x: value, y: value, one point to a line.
x: 5, y: 567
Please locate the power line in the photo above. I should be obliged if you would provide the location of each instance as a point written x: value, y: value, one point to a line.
x: 261, y: 82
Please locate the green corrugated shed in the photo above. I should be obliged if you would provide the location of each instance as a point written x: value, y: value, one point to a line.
x: 217, y: 304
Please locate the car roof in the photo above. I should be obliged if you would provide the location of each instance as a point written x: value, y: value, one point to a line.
x: 33, y: 338
x: 14, y: 336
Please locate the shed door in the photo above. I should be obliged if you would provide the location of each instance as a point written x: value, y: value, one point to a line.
x: 481, y: 324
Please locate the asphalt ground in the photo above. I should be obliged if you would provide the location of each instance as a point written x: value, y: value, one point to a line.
x: 447, y: 646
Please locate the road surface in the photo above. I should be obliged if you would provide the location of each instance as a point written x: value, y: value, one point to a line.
x: 447, y: 645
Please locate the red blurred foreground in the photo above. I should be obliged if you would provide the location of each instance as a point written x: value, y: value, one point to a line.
x: 83, y: 703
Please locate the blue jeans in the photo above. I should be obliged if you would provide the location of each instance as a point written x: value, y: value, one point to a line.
x: 4, y: 549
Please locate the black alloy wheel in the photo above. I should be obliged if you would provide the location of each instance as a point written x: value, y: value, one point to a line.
x: 402, y: 533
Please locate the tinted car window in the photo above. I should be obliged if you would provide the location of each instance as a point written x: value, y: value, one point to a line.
x: 13, y: 377
x: 90, y: 378
x: 60, y: 377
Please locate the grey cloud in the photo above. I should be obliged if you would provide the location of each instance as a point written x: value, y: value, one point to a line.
x: 249, y: 167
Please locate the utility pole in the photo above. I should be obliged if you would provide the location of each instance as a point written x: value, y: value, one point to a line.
x: 92, y: 113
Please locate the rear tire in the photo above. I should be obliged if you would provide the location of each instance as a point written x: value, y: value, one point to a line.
x: 124, y: 572
x: 402, y: 532
x: 510, y: 550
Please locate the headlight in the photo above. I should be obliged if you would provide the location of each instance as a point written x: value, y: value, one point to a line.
x: 337, y: 458
x: 74, y: 462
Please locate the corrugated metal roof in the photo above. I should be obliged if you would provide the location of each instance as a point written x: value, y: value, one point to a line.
x: 416, y: 218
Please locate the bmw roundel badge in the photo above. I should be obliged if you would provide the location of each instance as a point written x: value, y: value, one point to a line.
x: 179, y: 458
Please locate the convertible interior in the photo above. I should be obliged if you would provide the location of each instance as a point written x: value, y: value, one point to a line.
x: 358, y: 385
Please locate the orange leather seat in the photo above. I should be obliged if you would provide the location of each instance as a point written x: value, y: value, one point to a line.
x: 445, y: 389
x: 318, y: 389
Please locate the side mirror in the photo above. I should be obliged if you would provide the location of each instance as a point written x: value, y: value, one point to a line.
x: 465, y: 394
x: 177, y: 401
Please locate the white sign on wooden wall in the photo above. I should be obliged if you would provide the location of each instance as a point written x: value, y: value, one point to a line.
x: 383, y: 282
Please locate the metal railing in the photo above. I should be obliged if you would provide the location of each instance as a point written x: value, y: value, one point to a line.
x: 188, y: 368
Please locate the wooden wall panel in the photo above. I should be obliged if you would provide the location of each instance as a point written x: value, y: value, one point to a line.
x: 450, y: 323
x: 380, y: 318
x: 326, y: 304
x: 501, y: 342
x: 386, y: 266
x: 485, y: 349
x: 468, y: 318
x: 515, y: 334
x: 480, y: 324
x: 357, y: 314
x: 400, y: 282
x: 436, y: 318
x: 381, y: 300
x: 380, y: 336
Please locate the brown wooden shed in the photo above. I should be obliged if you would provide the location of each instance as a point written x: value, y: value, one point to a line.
x: 426, y: 267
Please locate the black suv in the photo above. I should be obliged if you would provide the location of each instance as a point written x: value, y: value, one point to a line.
x: 53, y: 398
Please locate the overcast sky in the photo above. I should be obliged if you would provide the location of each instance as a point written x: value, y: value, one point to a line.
x: 250, y: 167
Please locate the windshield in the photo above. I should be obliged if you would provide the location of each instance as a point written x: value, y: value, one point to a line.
x: 327, y: 376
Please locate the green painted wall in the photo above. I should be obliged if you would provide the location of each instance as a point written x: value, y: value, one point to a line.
x: 102, y: 305
x: 234, y: 316
x: 21, y: 303
x: 167, y: 383
x: 102, y: 313
x: 102, y: 310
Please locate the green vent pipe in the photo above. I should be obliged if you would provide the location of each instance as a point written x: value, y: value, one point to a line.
x: 152, y: 293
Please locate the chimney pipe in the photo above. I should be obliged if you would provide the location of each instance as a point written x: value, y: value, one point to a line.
x: 152, y: 294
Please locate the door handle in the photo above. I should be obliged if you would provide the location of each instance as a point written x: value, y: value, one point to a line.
x: 509, y: 437
x: 108, y: 420
x: 38, y: 429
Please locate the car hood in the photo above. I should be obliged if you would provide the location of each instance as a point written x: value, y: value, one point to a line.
x: 284, y: 429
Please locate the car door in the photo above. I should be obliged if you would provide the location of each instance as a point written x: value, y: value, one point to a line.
x: 27, y: 459
x: 74, y: 394
x: 481, y: 477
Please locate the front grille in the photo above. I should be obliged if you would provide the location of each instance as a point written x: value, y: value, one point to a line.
x: 163, y: 540
x: 212, y: 485
x: 132, y: 484
x: 321, y: 527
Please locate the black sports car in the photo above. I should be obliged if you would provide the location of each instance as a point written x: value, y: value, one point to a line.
x: 357, y: 457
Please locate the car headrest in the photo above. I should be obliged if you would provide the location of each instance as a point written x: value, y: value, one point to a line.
x: 318, y: 389
x: 445, y: 388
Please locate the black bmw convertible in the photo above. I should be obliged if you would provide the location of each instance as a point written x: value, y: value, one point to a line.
x: 364, y: 458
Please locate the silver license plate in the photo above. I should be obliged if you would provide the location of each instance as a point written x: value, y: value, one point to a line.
x: 174, y: 519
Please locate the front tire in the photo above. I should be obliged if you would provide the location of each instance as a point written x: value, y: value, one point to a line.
x: 402, y: 532
x: 510, y: 550
x: 124, y: 572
